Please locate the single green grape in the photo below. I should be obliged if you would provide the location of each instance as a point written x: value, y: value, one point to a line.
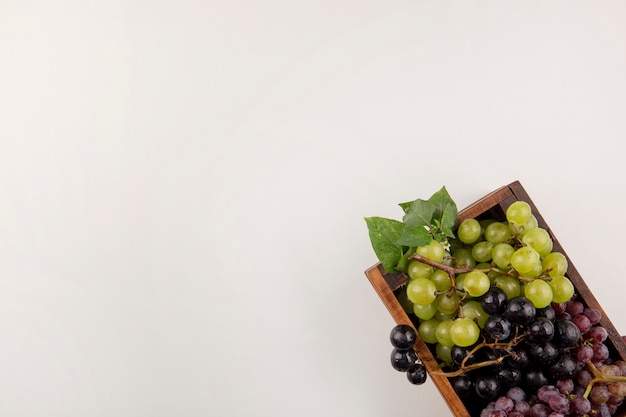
x: 460, y: 281
x: 519, y: 212
x: 539, y: 293
x: 476, y: 283
x: 481, y: 251
x: 525, y: 259
x: 447, y: 303
x: 439, y: 316
x: 464, y: 332
x: 511, y: 286
x: 562, y: 289
x: 498, y: 232
x: 538, y: 239
x: 501, y: 255
x: 441, y: 279
x: 443, y: 333
x: 444, y: 353
x: 472, y: 309
x: 464, y: 258
x: 555, y: 263
x: 419, y: 269
x: 433, y: 251
x: 469, y: 231
x: 427, y: 329
x: 520, y: 229
x: 421, y: 291
x: 425, y: 312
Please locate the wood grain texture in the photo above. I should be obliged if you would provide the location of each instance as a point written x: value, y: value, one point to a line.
x: 494, y: 206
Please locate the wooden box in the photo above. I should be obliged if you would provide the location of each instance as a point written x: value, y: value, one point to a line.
x: 493, y: 205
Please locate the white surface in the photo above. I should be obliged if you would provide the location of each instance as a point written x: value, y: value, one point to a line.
x: 183, y: 186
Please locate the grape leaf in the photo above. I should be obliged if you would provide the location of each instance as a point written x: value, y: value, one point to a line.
x: 445, y: 208
x: 419, y: 213
x: 415, y: 236
x: 384, y: 234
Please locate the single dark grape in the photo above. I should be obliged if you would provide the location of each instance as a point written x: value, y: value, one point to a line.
x: 509, y: 377
x: 520, y: 310
x: 487, y: 387
x: 505, y: 404
x: 535, y: 379
x: 574, y: 308
x: 541, y: 330
x: 594, y: 315
x: 518, y: 357
x: 565, y: 367
x: 402, y: 336
x: 600, y: 352
x: 459, y: 354
x: 494, y: 301
x: 566, y: 334
x: 580, y: 405
x: 497, y: 328
x: 517, y: 394
x: 403, y: 359
x: 547, y: 312
x: 598, y: 334
x: 544, y: 354
x: 417, y: 374
x: 582, y: 322
x: 463, y: 386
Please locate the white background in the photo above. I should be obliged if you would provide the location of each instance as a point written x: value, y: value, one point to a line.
x: 183, y: 186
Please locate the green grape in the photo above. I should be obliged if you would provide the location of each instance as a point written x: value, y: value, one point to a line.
x: 525, y: 259
x: 472, y: 309
x: 481, y: 251
x: 441, y: 280
x: 464, y: 258
x: 444, y: 353
x: 443, y: 333
x: 562, y: 289
x: 460, y: 280
x: 469, y: 231
x: 425, y: 312
x: 501, y: 255
x: 519, y: 212
x: 520, y: 229
x: 476, y: 283
x: 555, y: 263
x: 539, y: 293
x: 497, y: 232
x: 511, y: 286
x: 535, y: 272
x: 421, y: 291
x: 439, y: 316
x: 427, y: 330
x: 539, y: 240
x: 419, y: 269
x: 447, y: 303
x: 433, y: 251
x: 464, y: 332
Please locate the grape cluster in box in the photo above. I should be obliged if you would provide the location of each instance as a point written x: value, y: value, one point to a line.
x: 504, y: 324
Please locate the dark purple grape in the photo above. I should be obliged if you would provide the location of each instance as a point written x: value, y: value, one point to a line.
x: 594, y: 315
x: 463, y: 386
x: 516, y: 414
x: 547, y: 312
x: 459, y: 354
x: 522, y: 407
x: 497, y: 328
x: 518, y: 358
x: 544, y: 354
x: 505, y: 404
x: 509, y: 377
x: 559, y: 403
x: 516, y: 394
x: 417, y: 374
x: 565, y: 386
x: 403, y: 359
x: 546, y: 392
x: 540, y: 331
x: 580, y: 405
x: 584, y: 353
x: 539, y: 410
x: 600, y: 352
x: 402, y: 336
x: 487, y: 387
x: 598, y: 334
x: 564, y: 367
x: 566, y: 334
x: 574, y: 308
x: 535, y: 379
x: 520, y: 310
x: 494, y: 301
x: 582, y: 322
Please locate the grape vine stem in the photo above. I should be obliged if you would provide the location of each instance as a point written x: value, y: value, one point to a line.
x: 598, y: 376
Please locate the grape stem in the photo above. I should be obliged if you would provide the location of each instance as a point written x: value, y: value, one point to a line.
x: 598, y: 376
x: 450, y: 270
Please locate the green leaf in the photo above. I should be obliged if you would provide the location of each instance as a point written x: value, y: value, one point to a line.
x: 448, y: 219
x: 415, y: 236
x: 445, y: 208
x: 419, y: 213
x: 384, y: 234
